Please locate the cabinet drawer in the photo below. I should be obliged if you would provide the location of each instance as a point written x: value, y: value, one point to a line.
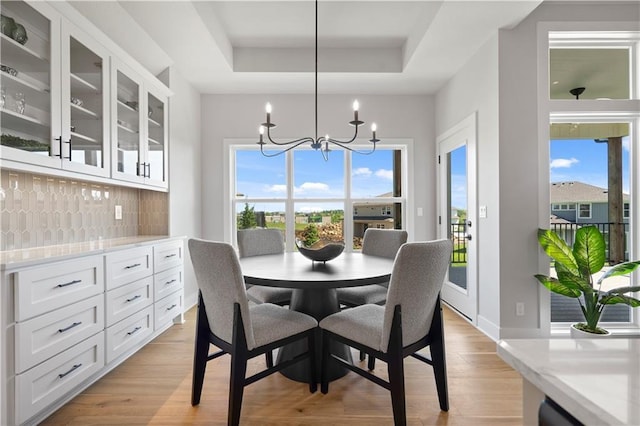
x: 43, y: 384
x: 47, y: 288
x: 42, y: 337
x: 167, y: 282
x: 128, y: 299
x: 128, y: 265
x: 167, y: 255
x: 167, y: 309
x: 129, y: 333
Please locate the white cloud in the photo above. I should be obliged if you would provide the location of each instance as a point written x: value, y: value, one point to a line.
x: 312, y: 187
x: 362, y: 171
x: 277, y: 188
x: 310, y: 209
x: 563, y: 163
x: 385, y: 174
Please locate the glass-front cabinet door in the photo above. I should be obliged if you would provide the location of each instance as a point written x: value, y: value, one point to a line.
x: 53, y: 91
x: 85, y: 130
x: 156, y: 161
x: 30, y: 83
x: 128, y: 157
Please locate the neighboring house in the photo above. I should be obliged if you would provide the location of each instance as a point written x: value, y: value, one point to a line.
x: 578, y: 202
x: 373, y: 215
x: 574, y: 204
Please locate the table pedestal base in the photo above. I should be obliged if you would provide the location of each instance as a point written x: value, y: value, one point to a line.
x: 318, y: 303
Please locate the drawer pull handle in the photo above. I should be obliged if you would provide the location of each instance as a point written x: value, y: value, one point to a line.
x: 171, y: 307
x: 137, y: 296
x: 170, y: 255
x: 134, y: 331
x: 135, y: 265
x: 69, y: 283
x: 170, y: 282
x: 75, y: 367
x: 75, y: 324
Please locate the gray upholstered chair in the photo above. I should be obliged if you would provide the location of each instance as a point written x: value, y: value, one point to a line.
x: 258, y: 242
x: 410, y: 321
x: 226, y: 320
x: 376, y: 242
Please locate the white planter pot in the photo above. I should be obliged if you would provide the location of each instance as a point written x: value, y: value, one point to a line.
x: 579, y: 334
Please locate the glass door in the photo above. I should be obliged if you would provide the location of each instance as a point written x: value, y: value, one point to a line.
x: 84, y: 104
x: 128, y: 158
x: 156, y: 158
x: 457, y: 215
x: 28, y: 84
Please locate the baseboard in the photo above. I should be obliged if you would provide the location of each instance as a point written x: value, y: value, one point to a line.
x: 490, y: 329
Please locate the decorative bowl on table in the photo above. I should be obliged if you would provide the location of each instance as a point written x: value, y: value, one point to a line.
x: 322, y: 251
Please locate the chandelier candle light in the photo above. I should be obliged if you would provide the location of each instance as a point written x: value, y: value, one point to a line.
x: 317, y: 143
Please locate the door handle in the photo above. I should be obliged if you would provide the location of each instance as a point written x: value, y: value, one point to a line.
x: 468, y: 237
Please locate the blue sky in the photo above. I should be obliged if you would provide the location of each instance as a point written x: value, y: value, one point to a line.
x: 262, y: 177
x: 585, y: 161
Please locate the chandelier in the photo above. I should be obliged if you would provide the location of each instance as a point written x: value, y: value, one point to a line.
x: 321, y: 143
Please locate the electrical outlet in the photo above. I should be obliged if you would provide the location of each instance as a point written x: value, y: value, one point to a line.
x: 118, y: 212
x: 519, y: 309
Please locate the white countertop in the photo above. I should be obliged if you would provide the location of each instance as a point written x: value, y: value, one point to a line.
x: 13, y: 259
x: 596, y: 380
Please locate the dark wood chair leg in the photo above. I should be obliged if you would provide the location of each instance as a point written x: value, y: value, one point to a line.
x: 311, y: 345
x: 363, y: 355
x: 326, y: 353
x: 269, y: 359
x: 395, y: 369
x: 239, y: 356
x: 438, y: 357
x: 200, y: 354
x: 371, y: 364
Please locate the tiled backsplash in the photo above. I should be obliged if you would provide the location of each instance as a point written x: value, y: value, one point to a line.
x: 38, y: 210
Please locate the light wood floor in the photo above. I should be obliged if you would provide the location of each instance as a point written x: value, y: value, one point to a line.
x: 153, y: 387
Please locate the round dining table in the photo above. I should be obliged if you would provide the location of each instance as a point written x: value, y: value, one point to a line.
x: 314, y: 293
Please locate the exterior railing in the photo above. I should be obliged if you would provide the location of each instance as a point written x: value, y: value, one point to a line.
x: 568, y: 231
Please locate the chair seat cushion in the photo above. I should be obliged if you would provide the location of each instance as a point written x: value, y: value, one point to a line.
x: 272, y: 322
x: 263, y: 294
x: 362, y: 324
x: 367, y: 294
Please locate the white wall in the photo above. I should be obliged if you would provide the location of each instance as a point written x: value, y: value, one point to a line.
x: 238, y: 116
x: 475, y: 89
x: 510, y: 164
x: 185, y: 188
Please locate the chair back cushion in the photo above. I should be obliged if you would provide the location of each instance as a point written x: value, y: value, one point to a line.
x: 260, y: 241
x: 383, y: 242
x: 416, y: 280
x: 221, y: 283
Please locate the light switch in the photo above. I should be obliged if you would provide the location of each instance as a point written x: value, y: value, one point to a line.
x: 118, y: 212
x: 483, y: 211
x: 419, y: 212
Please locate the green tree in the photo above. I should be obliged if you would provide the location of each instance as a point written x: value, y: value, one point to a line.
x: 337, y: 216
x: 247, y: 218
x: 310, y: 235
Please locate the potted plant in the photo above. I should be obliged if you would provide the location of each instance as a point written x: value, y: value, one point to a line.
x: 575, y: 268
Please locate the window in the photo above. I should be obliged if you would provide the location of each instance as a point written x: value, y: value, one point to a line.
x: 590, y: 140
x: 585, y: 211
x: 298, y: 188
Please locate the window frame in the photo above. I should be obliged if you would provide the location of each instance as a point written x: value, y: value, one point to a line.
x: 561, y: 110
x: 580, y: 216
x: 231, y: 146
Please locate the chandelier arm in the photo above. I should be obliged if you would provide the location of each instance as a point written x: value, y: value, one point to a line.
x: 357, y: 151
x: 294, y: 144
x: 339, y: 142
x: 297, y: 142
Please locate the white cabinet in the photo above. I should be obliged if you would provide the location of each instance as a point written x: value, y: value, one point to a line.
x: 140, y: 132
x: 66, y: 323
x: 54, y: 102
